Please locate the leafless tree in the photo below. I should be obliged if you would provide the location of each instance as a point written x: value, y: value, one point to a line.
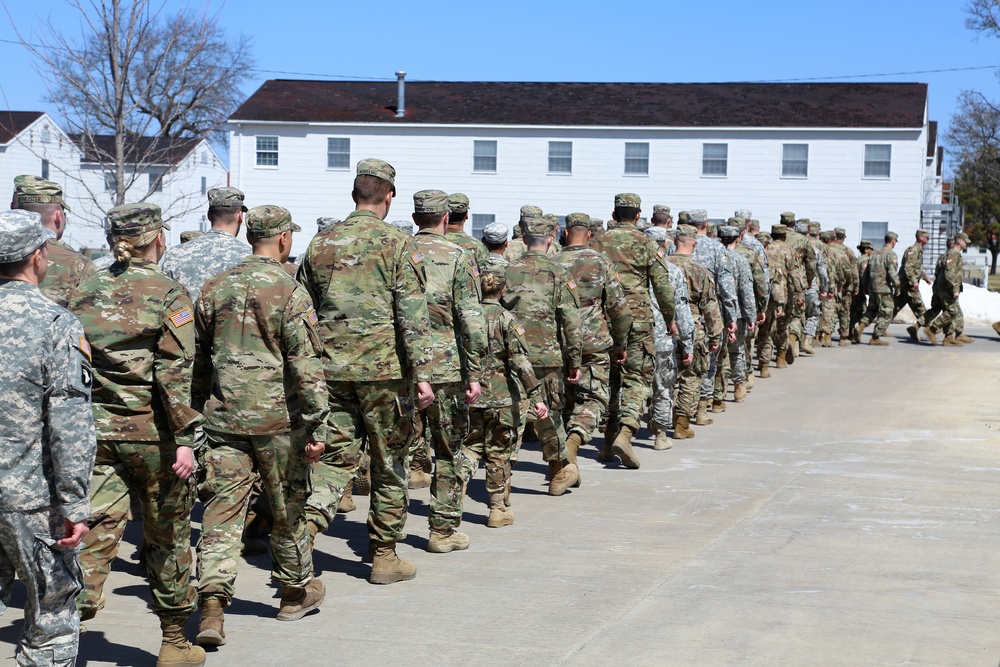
x: 983, y: 16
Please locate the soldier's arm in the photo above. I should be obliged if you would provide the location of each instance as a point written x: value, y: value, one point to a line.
x: 306, y: 276
x: 411, y: 312
x: 69, y: 417
x: 173, y: 366
x: 663, y: 289
x: 810, y: 265
x: 760, y: 284
x: 822, y: 270
x: 726, y: 282
x: 517, y: 351
x: 203, y: 374
x: 568, y: 314
x: 683, y: 317
x: 892, y: 269
x: 748, y: 305
x: 469, y: 316
x: 616, y: 308
x: 712, y: 315
x: 303, y: 358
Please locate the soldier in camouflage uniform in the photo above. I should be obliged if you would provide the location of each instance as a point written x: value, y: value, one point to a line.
x: 945, y: 313
x: 761, y: 293
x: 836, y: 266
x: 259, y: 381
x: 139, y: 323
x: 786, y: 289
x: 596, y: 231
x: 661, y: 217
x: 704, y: 305
x: 750, y: 241
x: 509, y: 385
x: 517, y: 248
x: 911, y: 271
x: 46, y: 446
x: 859, y: 302
x: 543, y: 297
x: 805, y: 272
x: 458, y: 214
x: 605, y: 320
x: 735, y: 361
x: 883, y: 285
x: 366, y: 279
x: 640, y: 265
x: 218, y: 249
x: 67, y: 268
x: 818, y: 288
x: 458, y: 345
x: 850, y: 287
x: 495, y: 241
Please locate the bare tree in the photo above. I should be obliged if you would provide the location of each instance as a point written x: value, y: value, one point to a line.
x: 138, y: 87
x: 983, y: 16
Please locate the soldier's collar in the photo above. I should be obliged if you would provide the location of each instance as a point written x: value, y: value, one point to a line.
x: 427, y: 230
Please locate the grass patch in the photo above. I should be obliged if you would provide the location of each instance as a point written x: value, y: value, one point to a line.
x: 994, y: 282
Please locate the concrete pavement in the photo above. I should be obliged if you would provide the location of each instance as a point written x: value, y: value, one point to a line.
x: 848, y: 513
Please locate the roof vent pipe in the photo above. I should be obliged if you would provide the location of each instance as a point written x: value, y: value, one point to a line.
x: 400, y: 94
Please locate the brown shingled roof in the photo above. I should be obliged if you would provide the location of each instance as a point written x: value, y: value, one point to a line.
x: 12, y: 123
x: 882, y: 105
x: 147, y: 150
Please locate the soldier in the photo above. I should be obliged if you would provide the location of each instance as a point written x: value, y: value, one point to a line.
x: 729, y: 235
x: 819, y: 287
x: 761, y: 291
x: 786, y: 290
x: 218, y: 249
x: 849, y: 290
x: 259, y: 381
x: 640, y: 265
x: 947, y: 287
x: 605, y: 320
x: 458, y: 213
x: 661, y: 217
x: 67, y: 268
x: 596, y: 231
x: 837, y: 267
x: 458, y: 345
x: 542, y: 295
x: 138, y: 321
x: 911, y: 271
x: 749, y: 240
x: 366, y: 279
x: 805, y: 272
x: 495, y: 241
x: 704, y: 305
x: 669, y: 354
x: 883, y: 285
x: 859, y: 300
x: 516, y: 248
x: 46, y: 445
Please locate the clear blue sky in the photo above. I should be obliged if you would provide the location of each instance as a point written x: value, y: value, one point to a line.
x: 629, y: 40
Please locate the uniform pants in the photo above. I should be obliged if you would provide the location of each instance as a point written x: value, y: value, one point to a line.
x: 109, y: 509
x: 737, y: 361
x: 797, y: 317
x: 632, y: 381
x: 448, y: 420
x: 773, y: 333
x: 664, y: 382
x: 880, y: 312
x: 858, y: 308
x: 381, y: 414
x: 52, y: 577
x: 550, y: 431
x: 166, y: 501
x: 232, y: 462
x: 910, y: 297
x: 813, y: 310
x: 844, y: 300
x: 945, y: 315
x: 492, y: 433
x: 828, y: 315
x: 689, y: 379
x: 587, y: 401
x: 707, y: 389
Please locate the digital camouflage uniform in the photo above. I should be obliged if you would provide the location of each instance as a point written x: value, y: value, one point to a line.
x: 805, y: 272
x: 192, y: 263
x: 734, y: 363
x: 820, y: 283
x: 46, y: 452
x: 259, y: 381
x: 883, y: 283
x: 786, y: 288
x: 669, y: 351
x: 850, y: 286
x: 761, y: 294
x: 837, y: 269
x: 911, y: 272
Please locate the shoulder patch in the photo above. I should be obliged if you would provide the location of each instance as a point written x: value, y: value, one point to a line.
x: 85, y: 348
x: 571, y: 284
x: 313, y: 318
x: 661, y: 253
x: 182, y: 317
x: 475, y: 271
x: 417, y: 257
x: 519, y: 330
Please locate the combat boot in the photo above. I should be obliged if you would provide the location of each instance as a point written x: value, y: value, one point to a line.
x: 765, y: 369
x: 347, y: 503
x: 790, y: 354
x: 782, y: 359
x: 662, y: 441
x: 828, y: 339
x: 996, y: 327
x: 314, y: 530
x: 500, y: 516
x: 931, y: 334
x: 573, y: 442
x: 90, y: 613
x: 965, y: 339
x: 751, y: 381
x: 718, y: 405
x: 606, y: 455
x: 297, y: 602
x: 210, y: 626
x: 622, y: 447
x: 682, y: 428
x: 419, y: 479
x: 740, y: 392
x: 702, y: 418
x: 845, y: 339
x: 176, y: 650
x: 951, y: 341
x: 856, y: 333
x: 875, y: 340
x: 446, y: 541
x: 913, y: 331
x: 563, y: 478
x: 807, y: 344
x: 793, y: 346
x: 388, y: 568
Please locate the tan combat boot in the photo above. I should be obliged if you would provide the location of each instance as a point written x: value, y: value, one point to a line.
x: 210, y: 626
x: 573, y: 442
x: 931, y: 334
x: 764, y: 369
x: 506, y: 493
x: 996, y: 327
x: 875, y: 340
x: 347, y: 503
x: 951, y: 341
x: 500, y: 516
x: 419, y: 479
x: 740, y: 392
x: 718, y: 405
x: 807, y: 345
x: 845, y: 339
x: 751, y: 381
x: 856, y: 333
x: 702, y: 418
x: 682, y: 428
x: 388, y: 568
x: 446, y: 541
x: 781, y: 361
x: 793, y: 345
x: 622, y: 447
x: 565, y: 476
x: 297, y: 602
x: 965, y: 339
x: 913, y: 332
x: 606, y: 455
x: 176, y: 650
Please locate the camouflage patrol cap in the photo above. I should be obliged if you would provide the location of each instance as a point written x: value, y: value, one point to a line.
x: 529, y: 211
x: 922, y: 232
x: 134, y: 219
x: 697, y: 216
x: 683, y: 217
x: 865, y: 245
x: 226, y: 198
x: 802, y: 226
x: 458, y: 203
x: 30, y: 189
x: 379, y: 169
x: 430, y: 201
x: 840, y: 231
x: 324, y: 223
x: 539, y: 225
x: 405, y: 226
x: 686, y: 231
x: 642, y: 224
x: 730, y: 230
x: 494, y: 265
x: 190, y: 236
x: 712, y: 229
x: 764, y: 238
x: 743, y: 213
x: 269, y: 220
x: 658, y: 234
x: 779, y: 229
x: 627, y: 200
x: 661, y: 209
x: 814, y: 227
x: 827, y: 235
x: 596, y: 225
x: 891, y: 235
x: 961, y: 236
x: 495, y: 233
x: 516, y: 232
x: 787, y: 218
x: 21, y: 233
x: 577, y: 220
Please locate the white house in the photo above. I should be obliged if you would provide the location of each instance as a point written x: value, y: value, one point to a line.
x: 856, y: 155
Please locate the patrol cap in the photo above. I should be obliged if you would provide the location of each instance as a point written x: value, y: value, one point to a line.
x: 743, y: 213
x: 683, y: 217
x: 458, y: 203
x: 627, y: 200
x: 729, y: 231
x: 787, y: 218
x: 922, y: 232
x: 686, y: 231
x: 961, y: 236
x: 406, y: 226
x: 642, y: 224
x: 21, y: 233
x: 226, y: 198
x: 495, y: 233
x: 661, y: 209
x: 865, y: 245
x: 494, y: 265
x: 269, y: 220
x: 596, y: 225
x: 30, y: 189
x: 379, y: 169
x: 134, y: 219
x: 813, y: 227
x: 658, y: 234
x: 827, y: 235
x: 577, y: 220
x: 539, y: 225
x: 324, y: 223
x: 430, y: 201
x: 190, y: 235
x: 891, y: 235
x: 840, y: 231
x: 697, y: 215
x: 802, y: 226
x: 764, y: 237
x: 529, y: 211
x: 712, y: 229
x: 779, y: 229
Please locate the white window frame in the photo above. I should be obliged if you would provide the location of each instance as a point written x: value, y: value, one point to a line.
x: 705, y: 160
x: 480, y: 152
x: 872, y: 162
x: 110, y: 181
x: 260, y: 152
x: 642, y: 160
x: 785, y: 162
x: 560, y: 144
x: 878, y: 240
x: 153, y: 174
x: 45, y: 169
x: 479, y: 222
x: 331, y: 153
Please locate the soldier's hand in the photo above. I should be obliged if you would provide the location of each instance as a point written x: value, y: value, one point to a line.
x: 184, y: 465
x: 779, y: 313
x: 956, y: 295
x: 687, y: 359
x: 541, y: 410
x: 425, y: 395
x: 799, y: 302
x: 927, y: 280
x: 621, y: 356
x: 673, y: 328
x: 761, y: 316
x: 713, y: 347
x: 313, y: 451
x: 573, y: 376
x: 472, y: 392
x: 74, y: 534
x: 751, y: 325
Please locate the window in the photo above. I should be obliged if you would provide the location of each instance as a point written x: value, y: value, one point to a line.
x: 45, y: 169
x: 46, y: 136
x: 156, y: 177
x: 204, y: 224
x: 560, y: 157
x: 110, y: 182
x: 484, y: 156
x: 204, y: 185
x: 878, y: 158
x: 795, y: 160
x: 480, y: 220
x: 204, y: 157
x: 338, y: 153
x: 637, y: 159
x: 874, y: 232
x: 714, y: 159
x: 267, y: 151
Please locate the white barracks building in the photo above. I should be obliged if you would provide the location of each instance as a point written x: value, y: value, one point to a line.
x: 862, y: 156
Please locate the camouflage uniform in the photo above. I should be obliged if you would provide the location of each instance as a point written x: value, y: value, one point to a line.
x: 805, y: 272
x: 859, y: 300
x: 139, y: 324
x: 850, y: 286
x: 820, y: 283
x: 735, y: 366
x: 883, y: 283
x: 785, y: 289
x: 761, y: 294
x: 259, y: 380
x: 837, y: 268
x: 192, y: 263
x: 668, y: 351
x: 911, y: 272
x: 516, y: 248
x: 46, y: 452
x: 945, y: 313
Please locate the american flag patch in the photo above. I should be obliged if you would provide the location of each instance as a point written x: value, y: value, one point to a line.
x: 661, y: 252
x: 85, y: 348
x: 417, y: 257
x: 182, y: 317
x: 313, y: 319
x: 475, y: 271
x: 519, y: 329
x: 571, y: 284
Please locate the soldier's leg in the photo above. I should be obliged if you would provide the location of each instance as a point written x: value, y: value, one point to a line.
x: 723, y: 372
x: 551, y: 434
x: 590, y: 396
x: 765, y: 336
x: 689, y: 383
x: 664, y: 383
x: 871, y: 312
x: 615, y: 396
x: 797, y: 320
x: 857, y: 310
x: 917, y: 306
x: 780, y: 335
x: 421, y: 465
x: 708, y: 377
x: 448, y: 419
x: 883, y: 317
x: 637, y: 375
x: 340, y: 459
x: 737, y: 355
x: 813, y: 309
x: 52, y: 578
